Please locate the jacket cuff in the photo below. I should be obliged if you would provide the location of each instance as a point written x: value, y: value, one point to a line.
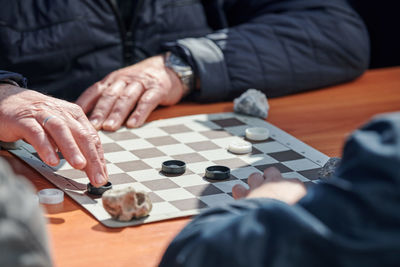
x: 11, y: 76
x: 209, y: 66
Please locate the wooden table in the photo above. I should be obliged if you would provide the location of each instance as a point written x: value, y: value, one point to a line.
x: 321, y: 118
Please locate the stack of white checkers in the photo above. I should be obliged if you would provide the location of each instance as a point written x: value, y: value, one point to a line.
x: 252, y: 134
x: 242, y: 144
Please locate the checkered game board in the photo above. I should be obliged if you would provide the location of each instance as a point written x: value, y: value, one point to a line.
x: 134, y: 158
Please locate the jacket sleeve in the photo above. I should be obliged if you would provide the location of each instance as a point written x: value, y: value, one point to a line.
x: 279, y: 47
x: 351, y: 220
x: 18, y: 78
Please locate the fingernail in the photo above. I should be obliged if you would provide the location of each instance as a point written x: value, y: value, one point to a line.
x: 94, y: 122
x: 78, y: 160
x: 132, y: 122
x: 52, y: 159
x: 100, y: 179
x: 110, y: 123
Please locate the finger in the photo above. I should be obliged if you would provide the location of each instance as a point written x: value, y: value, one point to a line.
x: 105, y: 103
x: 123, y: 106
x: 96, y: 140
x: 35, y: 135
x: 90, y: 96
x: 255, y: 180
x: 57, y: 128
x: 239, y: 191
x: 147, y: 103
x: 90, y: 145
x: 53, y: 143
x: 272, y: 174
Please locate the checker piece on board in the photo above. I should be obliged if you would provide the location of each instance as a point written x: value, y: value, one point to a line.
x: 218, y: 172
x: 240, y: 147
x: 257, y: 133
x: 98, y: 190
x: 50, y: 196
x: 173, y: 167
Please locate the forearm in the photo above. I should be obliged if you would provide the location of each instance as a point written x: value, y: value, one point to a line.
x: 285, y: 47
x: 366, y: 189
x: 244, y: 233
x: 355, y: 214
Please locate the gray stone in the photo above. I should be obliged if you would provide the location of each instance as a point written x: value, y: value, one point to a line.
x: 253, y: 103
x: 126, y: 204
x: 329, y: 168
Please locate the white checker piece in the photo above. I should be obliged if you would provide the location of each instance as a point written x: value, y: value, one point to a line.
x: 226, y: 141
x: 177, y: 202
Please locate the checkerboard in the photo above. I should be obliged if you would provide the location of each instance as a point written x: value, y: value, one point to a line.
x: 134, y: 158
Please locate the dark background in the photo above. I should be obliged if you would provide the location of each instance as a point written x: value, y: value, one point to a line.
x: 383, y: 22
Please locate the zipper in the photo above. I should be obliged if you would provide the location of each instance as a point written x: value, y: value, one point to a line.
x: 135, y: 19
x: 126, y: 34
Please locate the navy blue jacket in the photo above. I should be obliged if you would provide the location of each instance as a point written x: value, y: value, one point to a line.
x: 280, y: 47
x: 353, y: 219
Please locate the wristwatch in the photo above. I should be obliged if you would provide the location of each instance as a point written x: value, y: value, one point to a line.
x: 182, y: 69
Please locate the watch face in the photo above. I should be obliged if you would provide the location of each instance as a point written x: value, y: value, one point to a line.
x: 176, y: 60
x: 181, y: 68
x: 178, y: 65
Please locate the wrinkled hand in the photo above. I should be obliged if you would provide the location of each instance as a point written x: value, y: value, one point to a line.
x: 22, y: 116
x: 271, y: 185
x: 139, y: 88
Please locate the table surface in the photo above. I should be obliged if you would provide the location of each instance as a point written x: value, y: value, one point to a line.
x: 321, y: 118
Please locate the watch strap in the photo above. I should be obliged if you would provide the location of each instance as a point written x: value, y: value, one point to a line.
x: 182, y: 69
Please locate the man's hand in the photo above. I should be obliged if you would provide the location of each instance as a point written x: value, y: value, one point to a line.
x: 271, y: 185
x: 51, y: 124
x: 139, y: 88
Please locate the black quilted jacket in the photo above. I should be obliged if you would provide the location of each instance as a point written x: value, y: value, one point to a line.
x: 280, y: 47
